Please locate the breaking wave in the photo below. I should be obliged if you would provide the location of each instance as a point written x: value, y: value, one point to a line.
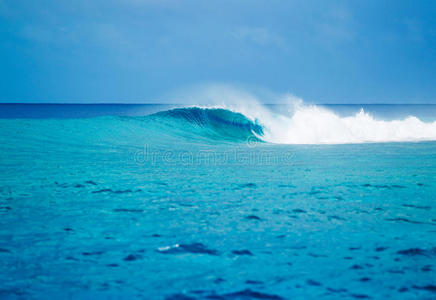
x: 213, y: 123
x: 302, y: 124
x: 317, y: 125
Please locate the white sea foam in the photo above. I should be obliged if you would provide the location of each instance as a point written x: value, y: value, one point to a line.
x: 317, y: 125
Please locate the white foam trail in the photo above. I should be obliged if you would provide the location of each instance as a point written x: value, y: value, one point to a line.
x: 316, y: 125
x: 311, y: 124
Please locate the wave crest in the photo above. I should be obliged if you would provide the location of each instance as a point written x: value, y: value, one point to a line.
x: 215, y: 123
x: 302, y: 124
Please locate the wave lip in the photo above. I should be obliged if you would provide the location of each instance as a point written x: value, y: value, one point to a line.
x: 213, y: 123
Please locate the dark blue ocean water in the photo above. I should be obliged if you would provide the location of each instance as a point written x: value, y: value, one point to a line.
x: 112, y: 202
x: 12, y: 110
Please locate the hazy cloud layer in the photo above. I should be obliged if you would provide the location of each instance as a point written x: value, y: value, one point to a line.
x: 140, y: 50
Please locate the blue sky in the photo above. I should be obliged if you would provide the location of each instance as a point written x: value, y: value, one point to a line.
x: 142, y: 50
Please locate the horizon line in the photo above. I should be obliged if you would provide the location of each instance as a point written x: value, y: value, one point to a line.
x: 155, y: 103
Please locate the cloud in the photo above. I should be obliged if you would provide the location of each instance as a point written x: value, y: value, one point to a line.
x: 155, y: 3
x: 414, y: 30
x: 258, y: 35
x: 335, y: 26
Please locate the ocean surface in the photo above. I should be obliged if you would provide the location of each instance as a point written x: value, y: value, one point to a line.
x: 248, y: 202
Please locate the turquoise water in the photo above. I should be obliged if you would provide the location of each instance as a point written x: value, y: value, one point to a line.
x: 196, y: 204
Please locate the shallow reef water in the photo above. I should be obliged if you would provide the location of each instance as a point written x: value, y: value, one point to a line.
x: 128, y: 207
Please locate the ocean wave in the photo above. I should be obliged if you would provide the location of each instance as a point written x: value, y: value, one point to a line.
x: 211, y: 123
x: 299, y: 124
